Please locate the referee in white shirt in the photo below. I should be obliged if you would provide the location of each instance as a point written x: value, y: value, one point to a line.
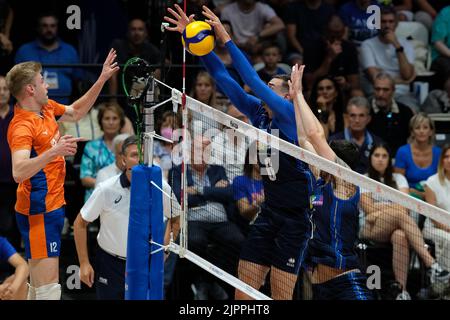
x: 111, y: 202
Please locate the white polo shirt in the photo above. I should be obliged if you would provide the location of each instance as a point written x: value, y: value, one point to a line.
x: 111, y: 202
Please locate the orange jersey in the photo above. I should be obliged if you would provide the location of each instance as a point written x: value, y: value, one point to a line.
x: 44, y: 192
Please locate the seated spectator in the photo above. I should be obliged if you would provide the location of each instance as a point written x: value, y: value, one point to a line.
x: 136, y: 44
x: 204, y: 90
x: 391, y: 55
x: 354, y: 15
x: 228, y: 147
x: 437, y: 191
x: 8, y: 187
x: 427, y: 10
x: 88, y: 127
x: 306, y: 22
x: 271, y: 56
x: 390, y: 118
x: 48, y: 48
x: 99, y: 153
x: 162, y: 150
x: 389, y: 222
x: 327, y: 103
x: 403, y: 8
x: 6, y: 46
x: 248, y: 188
x: 418, y: 160
x: 438, y: 101
x: 358, y: 114
x: 337, y: 58
x: 210, y: 199
x: 252, y: 21
x: 440, y: 40
x: 114, y: 168
x: 14, y: 287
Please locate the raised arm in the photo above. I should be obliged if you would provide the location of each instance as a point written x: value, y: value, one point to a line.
x: 81, y: 107
x: 246, y: 103
x: 308, y: 126
x: 282, y: 109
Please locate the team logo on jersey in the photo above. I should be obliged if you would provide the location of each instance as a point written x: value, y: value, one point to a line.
x: 118, y: 199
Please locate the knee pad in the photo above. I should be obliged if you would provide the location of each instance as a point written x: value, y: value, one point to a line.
x: 31, y: 295
x: 50, y: 291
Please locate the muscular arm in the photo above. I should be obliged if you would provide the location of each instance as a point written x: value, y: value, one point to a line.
x: 274, y: 26
x: 283, y: 110
x: 24, y: 167
x: 246, y: 103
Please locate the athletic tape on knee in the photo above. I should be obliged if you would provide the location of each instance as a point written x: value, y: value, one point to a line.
x: 50, y: 291
x: 31, y: 295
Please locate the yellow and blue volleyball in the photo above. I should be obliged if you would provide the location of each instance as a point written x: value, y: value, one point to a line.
x: 198, y: 38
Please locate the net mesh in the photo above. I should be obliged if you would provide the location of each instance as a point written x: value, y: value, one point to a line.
x: 364, y: 229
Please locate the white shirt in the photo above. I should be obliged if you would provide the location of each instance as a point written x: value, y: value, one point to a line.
x: 106, y: 173
x: 111, y: 202
x: 375, y: 53
x: 442, y: 192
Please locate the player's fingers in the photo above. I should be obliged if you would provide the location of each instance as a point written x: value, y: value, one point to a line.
x: 168, y: 19
x: 172, y: 12
x: 180, y: 11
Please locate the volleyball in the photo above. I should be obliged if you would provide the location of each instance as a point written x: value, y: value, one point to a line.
x: 198, y: 38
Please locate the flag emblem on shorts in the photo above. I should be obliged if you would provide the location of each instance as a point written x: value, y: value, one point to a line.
x: 316, y: 200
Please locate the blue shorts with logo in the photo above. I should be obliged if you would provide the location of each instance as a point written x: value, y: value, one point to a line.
x: 349, y: 286
x: 279, y: 238
x: 41, y: 233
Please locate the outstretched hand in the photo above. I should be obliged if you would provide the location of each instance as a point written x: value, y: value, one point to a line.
x: 180, y: 19
x: 295, y: 84
x: 109, y: 66
x: 215, y: 22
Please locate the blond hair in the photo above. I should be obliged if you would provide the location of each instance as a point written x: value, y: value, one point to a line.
x: 21, y: 75
x: 441, y: 170
x: 417, y: 120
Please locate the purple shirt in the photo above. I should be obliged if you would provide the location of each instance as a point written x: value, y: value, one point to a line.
x: 5, y: 152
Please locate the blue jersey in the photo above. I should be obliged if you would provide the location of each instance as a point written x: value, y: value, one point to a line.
x: 337, y: 224
x: 290, y: 187
x: 6, y: 250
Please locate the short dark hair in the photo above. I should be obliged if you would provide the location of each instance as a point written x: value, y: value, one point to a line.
x: 270, y: 44
x: 285, y: 78
x: 131, y: 140
x: 388, y: 10
x: 347, y: 151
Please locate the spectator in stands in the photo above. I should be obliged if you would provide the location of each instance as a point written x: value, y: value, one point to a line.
x: 418, y: 160
x: 136, y: 44
x: 427, y: 11
x: 114, y: 168
x: 6, y: 46
x: 437, y: 191
x: 48, y: 48
x: 438, y: 101
x: 354, y: 14
x: 210, y: 201
x: 389, y: 54
x: 14, y: 287
x: 204, y: 90
x: 271, y: 56
x: 327, y: 102
x: 390, y: 222
x: 8, y: 186
x: 248, y: 188
x: 99, y: 153
x: 252, y: 22
x: 440, y: 40
x: 229, y: 147
x: 306, y: 22
x: 162, y: 150
x: 358, y: 114
x: 403, y: 8
x: 339, y: 58
x: 390, y: 118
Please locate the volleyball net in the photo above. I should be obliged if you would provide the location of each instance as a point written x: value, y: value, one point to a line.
x: 216, y: 174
